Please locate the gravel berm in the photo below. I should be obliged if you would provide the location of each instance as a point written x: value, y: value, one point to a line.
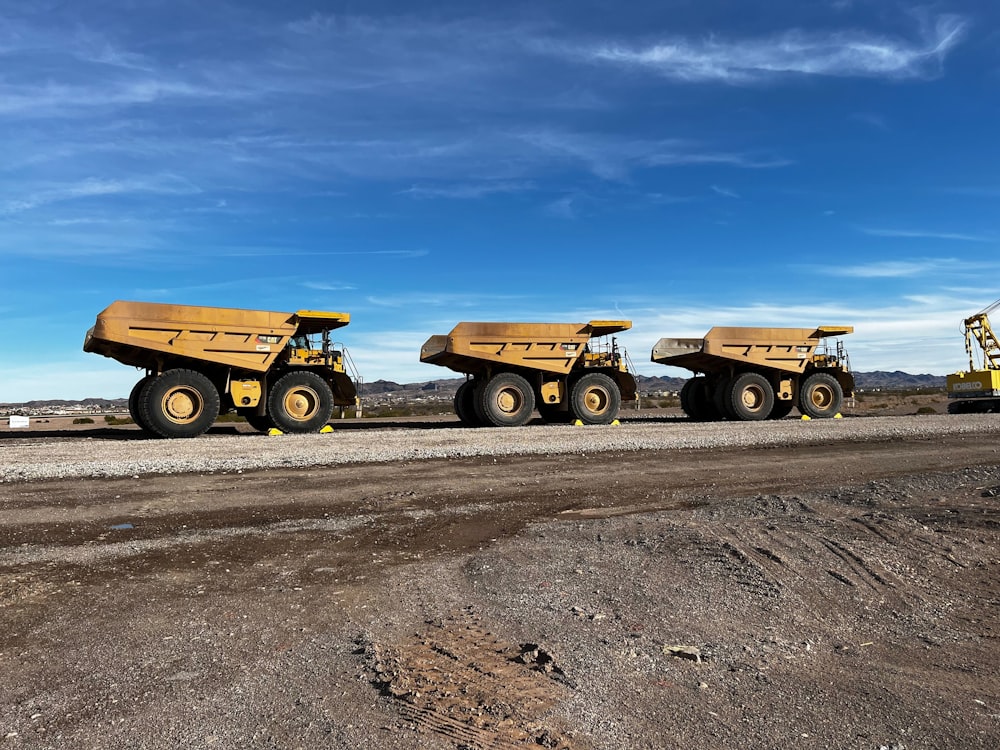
x: 28, y: 458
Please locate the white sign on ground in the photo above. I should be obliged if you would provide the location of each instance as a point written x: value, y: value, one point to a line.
x: 19, y: 422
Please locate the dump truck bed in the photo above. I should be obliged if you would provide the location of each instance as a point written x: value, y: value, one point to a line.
x: 785, y: 349
x: 551, y: 347
x: 144, y: 333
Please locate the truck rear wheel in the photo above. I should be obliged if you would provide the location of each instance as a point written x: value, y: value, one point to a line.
x: 696, y: 400
x: 300, y: 402
x: 260, y: 422
x: 595, y: 399
x: 820, y: 396
x: 465, y: 406
x: 720, y: 398
x: 178, y: 403
x: 552, y: 414
x: 750, y: 397
x: 133, y: 404
x: 686, y: 396
x: 507, y: 400
x: 781, y: 409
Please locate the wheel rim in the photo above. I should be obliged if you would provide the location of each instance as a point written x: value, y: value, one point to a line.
x: 597, y: 400
x: 182, y: 405
x: 301, y: 403
x: 821, y: 396
x: 753, y: 398
x: 510, y: 400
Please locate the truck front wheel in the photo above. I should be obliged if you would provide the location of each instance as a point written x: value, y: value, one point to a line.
x: 820, y: 396
x: 595, y: 399
x: 507, y: 400
x: 300, y: 402
x: 178, y: 404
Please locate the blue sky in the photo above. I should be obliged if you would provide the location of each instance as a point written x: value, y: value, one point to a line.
x: 682, y: 164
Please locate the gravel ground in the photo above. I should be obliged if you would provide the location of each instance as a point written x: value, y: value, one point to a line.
x: 837, y: 591
x: 28, y: 457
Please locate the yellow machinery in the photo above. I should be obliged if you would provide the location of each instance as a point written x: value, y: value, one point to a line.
x: 761, y: 373
x: 276, y: 369
x: 978, y: 389
x: 563, y: 369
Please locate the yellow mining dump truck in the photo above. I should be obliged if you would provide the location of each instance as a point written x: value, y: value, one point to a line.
x: 276, y: 369
x: 761, y: 373
x: 978, y: 390
x: 565, y: 370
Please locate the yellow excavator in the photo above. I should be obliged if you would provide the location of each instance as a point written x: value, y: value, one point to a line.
x: 977, y: 391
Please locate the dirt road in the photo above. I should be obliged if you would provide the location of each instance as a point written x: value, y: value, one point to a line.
x: 840, y: 595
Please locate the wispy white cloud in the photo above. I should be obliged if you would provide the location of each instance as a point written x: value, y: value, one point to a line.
x: 663, y: 199
x: 64, y: 99
x: 296, y: 252
x: 316, y: 24
x: 467, y: 191
x: 319, y: 98
x: 919, y: 234
x: 93, y: 239
x: 510, y: 160
x: 951, y: 271
x: 166, y: 184
x: 440, y: 299
x: 879, y: 122
x: 724, y: 192
x: 840, y: 54
x: 180, y: 291
x: 614, y: 158
x: 563, y: 208
x: 322, y: 286
x: 977, y: 192
x: 894, y: 269
x: 693, y: 155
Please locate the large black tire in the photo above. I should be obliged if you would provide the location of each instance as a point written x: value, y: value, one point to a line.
x: 133, y: 404
x: 507, y: 400
x: 781, y: 409
x: 178, y: 404
x: 686, y: 396
x: 300, y: 402
x: 465, y: 407
x: 260, y: 422
x: 751, y: 397
x: 595, y: 399
x: 696, y: 400
x: 720, y: 397
x: 820, y: 396
x: 552, y: 414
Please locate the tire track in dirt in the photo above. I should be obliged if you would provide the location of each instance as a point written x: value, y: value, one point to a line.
x: 772, y: 563
x: 457, y: 679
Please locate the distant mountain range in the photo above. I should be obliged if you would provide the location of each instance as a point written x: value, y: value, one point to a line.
x: 896, y: 381
x: 878, y: 380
